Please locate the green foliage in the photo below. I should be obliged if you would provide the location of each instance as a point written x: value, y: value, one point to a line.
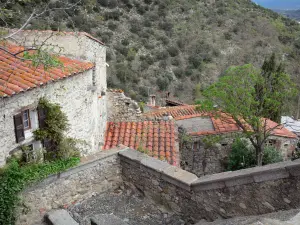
x: 242, y: 155
x: 244, y: 94
x: 56, y: 121
x: 271, y: 155
x: 54, y: 132
x: 14, y: 178
x: 43, y: 58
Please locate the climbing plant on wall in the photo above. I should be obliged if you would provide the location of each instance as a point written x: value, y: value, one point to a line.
x: 53, y: 124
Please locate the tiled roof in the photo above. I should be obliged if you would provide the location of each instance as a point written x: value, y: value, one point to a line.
x: 176, y: 112
x: 17, y: 75
x: 222, y: 124
x: 280, y: 131
x: 157, y: 139
x: 61, y: 33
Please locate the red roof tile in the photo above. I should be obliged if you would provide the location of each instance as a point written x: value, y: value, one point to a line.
x: 17, y: 75
x: 157, y: 139
x: 279, y: 130
x: 222, y: 124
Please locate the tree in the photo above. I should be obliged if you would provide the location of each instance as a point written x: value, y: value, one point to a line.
x: 236, y: 97
x: 272, y: 73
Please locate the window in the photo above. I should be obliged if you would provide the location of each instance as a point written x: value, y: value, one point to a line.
x: 26, y: 119
x: 22, y: 122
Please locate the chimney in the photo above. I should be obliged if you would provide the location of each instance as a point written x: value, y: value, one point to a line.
x: 152, y: 100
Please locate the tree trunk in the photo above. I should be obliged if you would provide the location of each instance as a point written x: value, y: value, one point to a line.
x: 259, y: 155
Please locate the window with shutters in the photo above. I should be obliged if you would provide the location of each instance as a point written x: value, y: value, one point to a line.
x: 19, y: 128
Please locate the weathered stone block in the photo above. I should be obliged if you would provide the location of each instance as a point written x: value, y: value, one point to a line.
x: 155, y: 164
x: 294, y: 168
x: 133, y: 155
x: 271, y: 174
x: 179, y: 177
x: 60, y: 217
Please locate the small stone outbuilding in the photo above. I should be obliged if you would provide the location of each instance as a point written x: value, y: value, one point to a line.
x: 205, y: 140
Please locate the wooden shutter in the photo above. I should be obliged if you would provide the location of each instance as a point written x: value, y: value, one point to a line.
x: 42, y: 117
x: 19, y: 128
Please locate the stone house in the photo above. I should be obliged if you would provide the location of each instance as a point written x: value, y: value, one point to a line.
x: 78, y: 86
x: 205, y: 141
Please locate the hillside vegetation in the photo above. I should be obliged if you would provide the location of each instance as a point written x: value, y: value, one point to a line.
x: 175, y: 45
x: 293, y: 14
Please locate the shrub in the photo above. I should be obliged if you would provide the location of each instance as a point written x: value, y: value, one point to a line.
x: 195, y: 61
x: 241, y: 156
x: 14, y: 179
x: 227, y: 36
x: 135, y: 26
x: 175, y: 61
x: 271, y: 155
x: 162, y: 83
x: 173, y: 51
x: 112, y: 26
x: 179, y: 72
x: 114, y: 15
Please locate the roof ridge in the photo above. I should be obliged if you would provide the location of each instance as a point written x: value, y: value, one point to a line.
x: 63, y: 32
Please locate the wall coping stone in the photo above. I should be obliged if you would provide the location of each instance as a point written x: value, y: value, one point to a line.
x: 190, y: 181
x: 85, y: 163
x: 257, y: 174
x: 169, y: 173
x: 155, y: 164
x: 179, y: 177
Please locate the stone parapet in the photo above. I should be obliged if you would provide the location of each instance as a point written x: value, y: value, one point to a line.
x: 253, y: 191
x: 95, y: 174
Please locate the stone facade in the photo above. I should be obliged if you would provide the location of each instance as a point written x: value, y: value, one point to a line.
x: 121, y: 108
x: 252, y: 191
x: 202, y: 158
x: 204, y: 155
x: 65, y: 189
x: 82, y: 96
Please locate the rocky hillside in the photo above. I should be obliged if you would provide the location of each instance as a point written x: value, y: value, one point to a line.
x: 293, y: 14
x: 158, y: 45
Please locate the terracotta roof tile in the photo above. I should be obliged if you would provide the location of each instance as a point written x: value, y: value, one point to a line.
x: 155, y: 138
x: 225, y: 124
x: 18, y: 75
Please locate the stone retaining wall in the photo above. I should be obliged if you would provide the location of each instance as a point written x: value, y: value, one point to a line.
x: 100, y: 173
x: 252, y: 191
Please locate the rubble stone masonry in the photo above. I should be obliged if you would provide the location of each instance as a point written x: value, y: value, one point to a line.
x: 252, y: 191
x: 121, y: 108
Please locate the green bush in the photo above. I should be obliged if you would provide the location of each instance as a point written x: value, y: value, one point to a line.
x: 14, y: 179
x: 271, y: 155
x: 243, y: 156
x: 173, y: 51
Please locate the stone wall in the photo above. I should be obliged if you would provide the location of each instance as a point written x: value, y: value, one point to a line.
x: 100, y: 173
x: 202, y: 158
x: 121, y: 108
x: 252, y: 191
